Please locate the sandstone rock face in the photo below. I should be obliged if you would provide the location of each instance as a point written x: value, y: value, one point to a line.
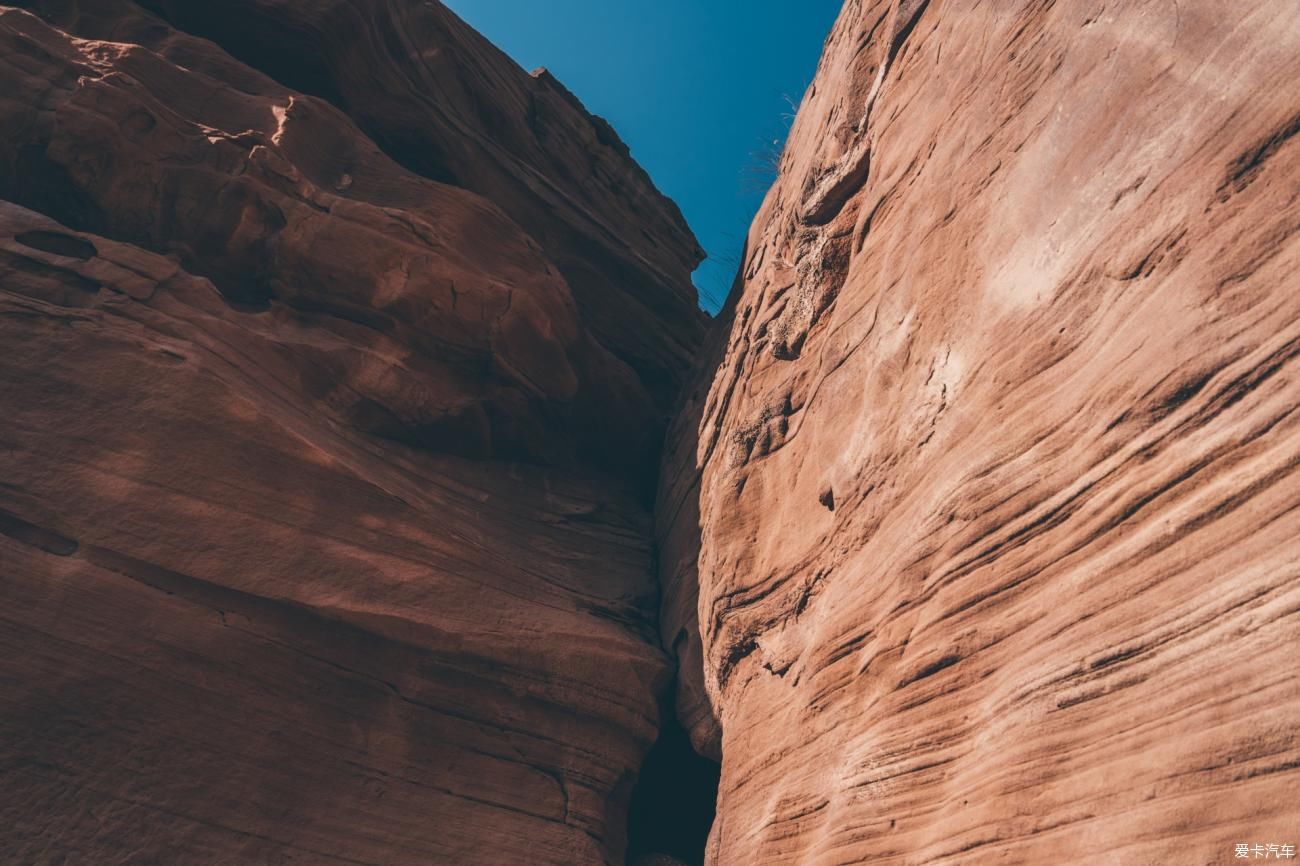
x: 986, y: 504
x: 447, y: 104
x: 169, y: 143
x: 322, y: 523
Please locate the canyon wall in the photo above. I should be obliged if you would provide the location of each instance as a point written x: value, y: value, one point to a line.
x: 335, y: 368
x: 338, y: 353
x: 980, y: 530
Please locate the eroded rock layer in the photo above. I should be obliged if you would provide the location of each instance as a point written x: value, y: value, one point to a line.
x: 446, y: 103
x: 982, y: 523
x: 322, y: 523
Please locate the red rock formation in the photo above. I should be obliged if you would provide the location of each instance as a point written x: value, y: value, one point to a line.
x: 337, y: 349
x: 987, y: 506
x: 258, y: 607
x: 447, y: 104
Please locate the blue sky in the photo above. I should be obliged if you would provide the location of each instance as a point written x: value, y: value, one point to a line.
x: 695, y: 87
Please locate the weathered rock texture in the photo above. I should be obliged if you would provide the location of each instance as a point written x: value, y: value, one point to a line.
x: 446, y: 103
x: 988, y: 504
x: 322, y: 473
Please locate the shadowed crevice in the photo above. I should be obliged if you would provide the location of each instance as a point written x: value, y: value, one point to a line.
x: 673, y: 803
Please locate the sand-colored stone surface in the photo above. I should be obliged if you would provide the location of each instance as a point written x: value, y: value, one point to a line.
x: 986, y: 504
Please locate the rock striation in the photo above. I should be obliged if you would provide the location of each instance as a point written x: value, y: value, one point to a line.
x: 325, y: 452
x: 447, y: 104
x: 980, y: 530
